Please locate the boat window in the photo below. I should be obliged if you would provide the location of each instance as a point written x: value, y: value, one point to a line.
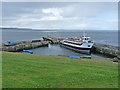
x: 86, y: 38
x: 73, y: 43
x: 88, y: 45
x: 89, y: 41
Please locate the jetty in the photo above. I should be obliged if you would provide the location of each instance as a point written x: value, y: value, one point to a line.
x: 52, y: 40
x: 19, y: 46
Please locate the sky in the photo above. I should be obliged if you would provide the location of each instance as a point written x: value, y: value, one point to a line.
x: 61, y: 15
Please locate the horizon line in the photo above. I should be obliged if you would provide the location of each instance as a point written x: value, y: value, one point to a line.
x: 49, y: 28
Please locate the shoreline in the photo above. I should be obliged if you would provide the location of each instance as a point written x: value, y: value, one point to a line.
x: 64, y: 56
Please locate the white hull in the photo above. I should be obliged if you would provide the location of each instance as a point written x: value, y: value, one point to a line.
x: 77, y: 50
x: 79, y: 46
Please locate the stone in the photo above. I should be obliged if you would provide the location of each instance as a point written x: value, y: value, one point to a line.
x: 115, y: 59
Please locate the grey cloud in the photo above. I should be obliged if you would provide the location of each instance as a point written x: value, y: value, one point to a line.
x: 83, y: 15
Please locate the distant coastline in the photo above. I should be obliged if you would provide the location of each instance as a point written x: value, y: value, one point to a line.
x: 19, y: 28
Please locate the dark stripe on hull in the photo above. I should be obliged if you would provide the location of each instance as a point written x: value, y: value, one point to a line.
x: 80, y: 50
x: 76, y: 47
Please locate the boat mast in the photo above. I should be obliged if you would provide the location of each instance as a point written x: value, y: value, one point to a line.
x: 84, y: 34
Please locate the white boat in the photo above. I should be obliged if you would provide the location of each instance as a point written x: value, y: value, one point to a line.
x: 82, y: 45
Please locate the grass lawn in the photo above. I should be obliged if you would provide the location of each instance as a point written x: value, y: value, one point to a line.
x: 35, y: 71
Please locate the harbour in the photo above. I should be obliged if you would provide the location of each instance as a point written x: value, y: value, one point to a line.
x: 105, y: 50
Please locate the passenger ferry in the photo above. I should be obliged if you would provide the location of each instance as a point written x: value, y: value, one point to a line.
x: 82, y: 45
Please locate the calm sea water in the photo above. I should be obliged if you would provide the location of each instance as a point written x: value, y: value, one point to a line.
x: 55, y: 50
x: 105, y: 37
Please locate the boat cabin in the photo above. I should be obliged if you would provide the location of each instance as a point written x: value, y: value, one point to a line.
x: 86, y: 39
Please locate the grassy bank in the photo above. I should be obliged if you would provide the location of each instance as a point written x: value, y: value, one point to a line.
x: 35, y: 71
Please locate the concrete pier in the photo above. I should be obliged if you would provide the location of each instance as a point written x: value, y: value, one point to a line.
x: 53, y: 40
x: 19, y: 46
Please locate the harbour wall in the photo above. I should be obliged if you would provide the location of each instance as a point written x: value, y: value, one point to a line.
x: 52, y: 40
x: 19, y: 46
x: 107, y: 50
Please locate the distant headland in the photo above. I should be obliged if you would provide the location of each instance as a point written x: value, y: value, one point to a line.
x: 52, y: 29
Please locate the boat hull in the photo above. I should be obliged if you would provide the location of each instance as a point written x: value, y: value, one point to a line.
x: 80, y: 50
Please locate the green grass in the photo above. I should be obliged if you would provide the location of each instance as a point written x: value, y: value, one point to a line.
x: 0, y: 70
x: 35, y: 71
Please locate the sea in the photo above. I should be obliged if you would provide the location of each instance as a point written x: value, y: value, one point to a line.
x: 109, y: 37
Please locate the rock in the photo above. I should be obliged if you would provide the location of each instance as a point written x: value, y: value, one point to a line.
x: 118, y: 57
x: 115, y: 59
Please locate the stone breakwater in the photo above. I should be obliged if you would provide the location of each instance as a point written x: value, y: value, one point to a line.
x: 107, y: 50
x: 52, y: 40
x: 19, y: 46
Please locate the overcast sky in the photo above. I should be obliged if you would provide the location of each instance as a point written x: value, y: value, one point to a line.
x: 54, y: 15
